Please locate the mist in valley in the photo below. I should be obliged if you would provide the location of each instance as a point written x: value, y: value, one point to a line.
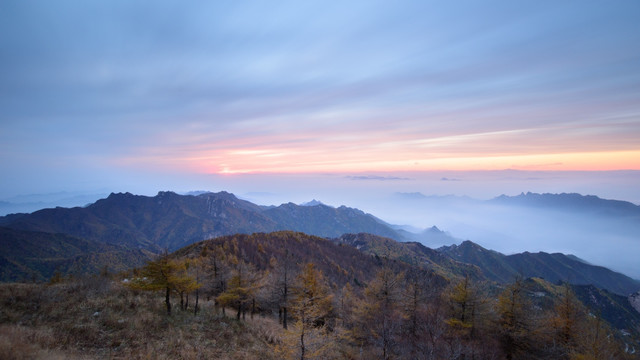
x: 458, y: 203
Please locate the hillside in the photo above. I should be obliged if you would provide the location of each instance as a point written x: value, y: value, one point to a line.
x: 36, y: 256
x: 554, y: 268
x: 412, y: 253
x: 339, y: 261
x: 359, y: 289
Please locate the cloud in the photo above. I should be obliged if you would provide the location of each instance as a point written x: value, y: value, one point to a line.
x: 377, y: 178
x: 309, y: 86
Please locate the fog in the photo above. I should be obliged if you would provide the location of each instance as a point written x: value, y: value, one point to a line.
x: 458, y: 203
x: 600, y: 239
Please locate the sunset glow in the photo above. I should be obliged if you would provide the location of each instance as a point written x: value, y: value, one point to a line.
x: 99, y: 95
x: 322, y: 163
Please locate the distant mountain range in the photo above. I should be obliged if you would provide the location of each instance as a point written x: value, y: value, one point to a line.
x: 125, y: 229
x: 554, y: 268
x: 572, y: 202
x: 166, y: 221
x: 171, y: 221
x: 601, y: 231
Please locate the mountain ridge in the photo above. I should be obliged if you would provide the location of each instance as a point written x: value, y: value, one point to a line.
x: 171, y: 221
x: 555, y: 267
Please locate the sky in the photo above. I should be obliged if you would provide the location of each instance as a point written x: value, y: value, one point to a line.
x: 346, y: 102
x: 104, y: 95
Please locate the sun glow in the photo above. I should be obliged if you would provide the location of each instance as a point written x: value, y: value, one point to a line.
x: 307, y: 162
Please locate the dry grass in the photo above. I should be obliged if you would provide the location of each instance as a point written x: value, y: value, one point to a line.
x: 98, y: 318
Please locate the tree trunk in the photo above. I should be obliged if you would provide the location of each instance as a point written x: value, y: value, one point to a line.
x: 195, y: 308
x: 302, y: 343
x: 167, y: 300
x: 284, y: 317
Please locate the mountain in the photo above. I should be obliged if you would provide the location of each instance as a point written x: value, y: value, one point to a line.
x: 36, y: 256
x: 167, y: 220
x: 593, y: 228
x: 431, y: 237
x: 313, y: 202
x: 341, y: 262
x: 613, y: 308
x: 171, y: 221
x: 552, y: 267
x: 413, y: 253
x: 634, y: 300
x: 326, y: 221
x: 571, y: 202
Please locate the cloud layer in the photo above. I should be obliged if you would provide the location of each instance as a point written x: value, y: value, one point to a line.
x: 287, y: 86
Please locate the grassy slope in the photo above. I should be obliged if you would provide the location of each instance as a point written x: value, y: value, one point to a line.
x: 97, y: 318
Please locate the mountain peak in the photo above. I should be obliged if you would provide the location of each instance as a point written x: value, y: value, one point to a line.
x: 313, y: 202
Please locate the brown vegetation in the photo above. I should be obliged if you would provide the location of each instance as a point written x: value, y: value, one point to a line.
x: 340, y: 304
x: 100, y: 318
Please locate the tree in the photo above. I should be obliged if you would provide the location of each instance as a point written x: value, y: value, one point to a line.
x: 515, y: 324
x: 312, y: 307
x: 417, y: 325
x: 467, y: 315
x: 184, y: 282
x: 282, y: 279
x: 595, y: 341
x: 217, y: 272
x: 379, y: 315
x: 241, y: 289
x: 564, y: 322
x: 165, y: 274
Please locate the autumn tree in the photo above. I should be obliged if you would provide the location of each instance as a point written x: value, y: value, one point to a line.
x: 165, y: 274
x: 417, y: 297
x: 185, y: 280
x: 515, y: 323
x: 468, y: 315
x: 282, y: 278
x: 379, y: 314
x: 595, y: 341
x: 217, y: 271
x: 241, y: 289
x: 347, y: 303
x: 564, y: 323
x: 312, y: 307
